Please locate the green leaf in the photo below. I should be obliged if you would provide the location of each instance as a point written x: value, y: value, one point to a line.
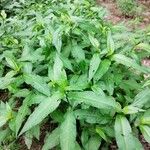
x: 28, y: 139
x: 146, y: 132
x: 28, y: 54
x: 109, y: 83
x: 22, y: 113
x: 4, y: 134
x: 110, y: 44
x: 22, y: 93
x: 94, y: 64
x: 57, y: 41
x: 91, y: 116
x: 147, y: 83
x: 141, y: 98
x: 38, y: 83
x: 94, y: 143
x: 52, y: 139
x: 143, y: 46
x: 59, y: 72
x: 5, y: 113
x: 94, y: 41
x: 43, y: 110
x: 12, y: 63
x: 145, y: 119
x: 123, y: 133
x: 100, y: 131
x: 92, y: 99
x: 3, y: 14
x: 66, y: 63
x: 68, y: 132
x: 122, y: 59
x: 131, y: 110
x: 77, y: 52
x: 7, y: 80
x: 27, y: 67
x: 37, y: 99
x: 84, y: 138
x: 103, y: 68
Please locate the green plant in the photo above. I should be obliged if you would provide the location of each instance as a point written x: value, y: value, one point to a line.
x: 62, y: 63
x: 128, y: 7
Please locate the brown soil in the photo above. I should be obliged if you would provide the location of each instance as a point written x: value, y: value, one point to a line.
x: 115, y: 16
x: 3, y: 95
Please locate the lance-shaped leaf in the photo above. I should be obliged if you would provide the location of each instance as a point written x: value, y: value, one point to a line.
x: 94, y: 41
x: 5, y: 82
x: 110, y: 44
x: 145, y: 119
x: 38, y: 83
x: 91, y: 116
x: 57, y: 40
x: 92, y: 99
x: 77, y: 52
x: 141, y: 98
x: 131, y: 110
x: 68, y: 132
x: 122, y: 59
x: 4, y: 134
x: 59, y: 74
x: 147, y: 83
x: 43, y: 110
x: 123, y: 133
x: 11, y: 60
x: 94, y: 143
x: 22, y: 113
x: 103, y: 68
x: 143, y: 46
x: 52, y: 139
x: 5, y: 113
x: 146, y: 132
x: 94, y: 64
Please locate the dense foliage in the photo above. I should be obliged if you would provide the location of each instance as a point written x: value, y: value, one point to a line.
x: 128, y: 7
x: 62, y: 63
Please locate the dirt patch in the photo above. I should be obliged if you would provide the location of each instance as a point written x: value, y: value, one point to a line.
x: 3, y: 95
x: 115, y: 15
x: 144, y: 143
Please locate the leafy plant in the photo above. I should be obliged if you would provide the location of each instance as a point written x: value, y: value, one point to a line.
x: 62, y: 63
x: 128, y: 7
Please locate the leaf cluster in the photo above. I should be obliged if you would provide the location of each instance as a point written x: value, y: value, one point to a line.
x: 62, y: 63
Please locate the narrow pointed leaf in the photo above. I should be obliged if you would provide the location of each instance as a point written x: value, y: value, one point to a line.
x: 103, y: 68
x: 94, y: 143
x: 68, y: 132
x: 123, y: 133
x: 57, y: 41
x: 22, y: 113
x: 141, y: 98
x: 43, y: 110
x: 52, y: 140
x: 122, y: 59
x: 38, y: 83
x: 94, y: 41
x: 146, y: 132
x: 92, y: 99
x: 94, y: 64
x: 110, y: 44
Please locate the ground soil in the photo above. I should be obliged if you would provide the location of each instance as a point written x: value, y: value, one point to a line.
x: 141, y: 20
